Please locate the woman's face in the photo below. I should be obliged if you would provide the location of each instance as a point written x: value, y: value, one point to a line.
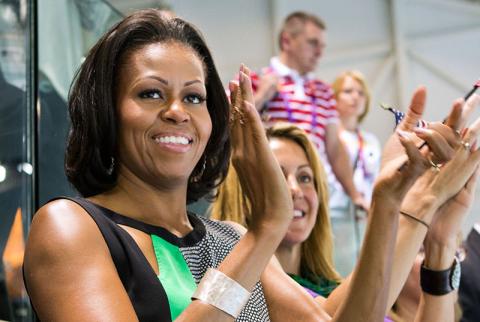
x: 351, y: 100
x: 164, y: 124
x: 300, y: 179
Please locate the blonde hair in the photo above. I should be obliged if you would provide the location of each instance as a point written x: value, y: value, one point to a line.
x: 317, y: 250
x: 337, y: 86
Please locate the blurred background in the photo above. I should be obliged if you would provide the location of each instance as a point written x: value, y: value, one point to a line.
x: 397, y: 44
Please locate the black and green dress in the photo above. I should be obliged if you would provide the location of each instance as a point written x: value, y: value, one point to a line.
x: 182, y: 261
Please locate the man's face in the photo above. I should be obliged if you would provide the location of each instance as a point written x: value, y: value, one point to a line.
x: 305, y: 49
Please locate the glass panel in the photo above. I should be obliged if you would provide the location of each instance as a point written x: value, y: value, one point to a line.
x: 15, y: 169
x: 67, y: 29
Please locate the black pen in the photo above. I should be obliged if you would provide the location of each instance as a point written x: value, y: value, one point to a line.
x: 473, y: 90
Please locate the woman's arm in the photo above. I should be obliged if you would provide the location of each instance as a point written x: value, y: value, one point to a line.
x: 286, y: 299
x: 367, y: 294
x: 442, y: 140
x: 440, y: 248
x: 365, y: 298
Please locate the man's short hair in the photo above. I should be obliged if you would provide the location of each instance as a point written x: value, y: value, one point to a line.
x: 295, y: 23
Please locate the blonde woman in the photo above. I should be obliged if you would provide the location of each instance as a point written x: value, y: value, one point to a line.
x: 306, y: 251
x: 353, y: 101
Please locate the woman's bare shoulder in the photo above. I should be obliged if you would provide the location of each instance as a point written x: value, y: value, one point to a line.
x: 61, y: 218
x: 59, y: 230
x: 67, y: 258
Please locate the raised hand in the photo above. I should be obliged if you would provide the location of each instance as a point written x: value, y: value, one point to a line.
x: 441, y: 137
x: 261, y: 178
x: 393, y: 147
x: 470, y: 105
x: 443, y: 142
x: 455, y: 185
x: 447, y: 143
x: 454, y: 175
x: 399, y: 174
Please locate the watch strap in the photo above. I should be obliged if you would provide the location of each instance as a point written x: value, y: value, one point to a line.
x: 440, y: 282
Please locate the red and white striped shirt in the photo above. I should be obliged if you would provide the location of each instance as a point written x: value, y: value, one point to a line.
x: 302, y: 100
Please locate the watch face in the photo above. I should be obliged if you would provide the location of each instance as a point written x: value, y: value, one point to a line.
x: 455, y: 275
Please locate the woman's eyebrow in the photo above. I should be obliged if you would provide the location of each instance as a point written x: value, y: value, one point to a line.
x: 192, y: 82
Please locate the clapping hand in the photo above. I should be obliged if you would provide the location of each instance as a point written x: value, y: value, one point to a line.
x: 261, y: 178
x: 449, y: 187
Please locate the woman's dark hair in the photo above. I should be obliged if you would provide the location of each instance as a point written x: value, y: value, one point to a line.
x: 92, y: 141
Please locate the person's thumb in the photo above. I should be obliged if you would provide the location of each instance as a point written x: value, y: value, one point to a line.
x: 415, y: 110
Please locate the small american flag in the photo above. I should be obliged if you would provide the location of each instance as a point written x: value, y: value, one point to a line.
x: 400, y: 115
x: 477, y: 84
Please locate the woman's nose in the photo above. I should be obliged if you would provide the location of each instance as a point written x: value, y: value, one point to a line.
x: 295, y: 189
x: 175, y: 113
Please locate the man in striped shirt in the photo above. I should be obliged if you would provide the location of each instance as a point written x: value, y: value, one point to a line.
x: 287, y: 91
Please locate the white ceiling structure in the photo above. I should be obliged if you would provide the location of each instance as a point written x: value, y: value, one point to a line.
x: 397, y: 44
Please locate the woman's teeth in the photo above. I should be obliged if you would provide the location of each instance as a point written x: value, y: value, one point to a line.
x: 298, y: 214
x: 173, y: 139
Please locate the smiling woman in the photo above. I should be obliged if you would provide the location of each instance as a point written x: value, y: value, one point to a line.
x: 306, y: 250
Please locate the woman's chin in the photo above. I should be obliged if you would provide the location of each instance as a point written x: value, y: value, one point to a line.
x: 293, y: 239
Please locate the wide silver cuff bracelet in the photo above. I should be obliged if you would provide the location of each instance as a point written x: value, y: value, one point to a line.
x: 221, y: 291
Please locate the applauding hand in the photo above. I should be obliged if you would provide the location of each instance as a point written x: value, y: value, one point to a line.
x: 261, y: 178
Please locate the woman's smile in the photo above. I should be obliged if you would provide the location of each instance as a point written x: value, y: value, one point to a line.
x: 174, y: 142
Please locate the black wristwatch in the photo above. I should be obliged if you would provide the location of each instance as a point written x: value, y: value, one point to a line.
x: 440, y: 282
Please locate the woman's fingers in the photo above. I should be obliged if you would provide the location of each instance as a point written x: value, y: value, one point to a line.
x: 456, y: 173
x: 247, y: 99
x: 471, y: 134
x: 248, y: 134
x: 253, y: 129
x: 470, y: 105
x: 451, y: 136
x: 417, y: 163
x: 235, y: 126
x: 454, y: 119
x: 246, y: 84
x: 415, y: 110
x: 441, y: 143
x: 472, y: 181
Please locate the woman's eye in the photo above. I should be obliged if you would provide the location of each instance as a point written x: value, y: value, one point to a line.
x: 151, y: 94
x: 305, y: 178
x: 194, y: 99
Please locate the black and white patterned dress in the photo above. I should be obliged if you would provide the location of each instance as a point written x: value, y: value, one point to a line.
x: 205, y: 246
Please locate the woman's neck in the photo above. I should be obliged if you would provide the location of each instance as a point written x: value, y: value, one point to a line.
x: 289, y: 257
x: 349, y: 123
x: 164, y: 207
